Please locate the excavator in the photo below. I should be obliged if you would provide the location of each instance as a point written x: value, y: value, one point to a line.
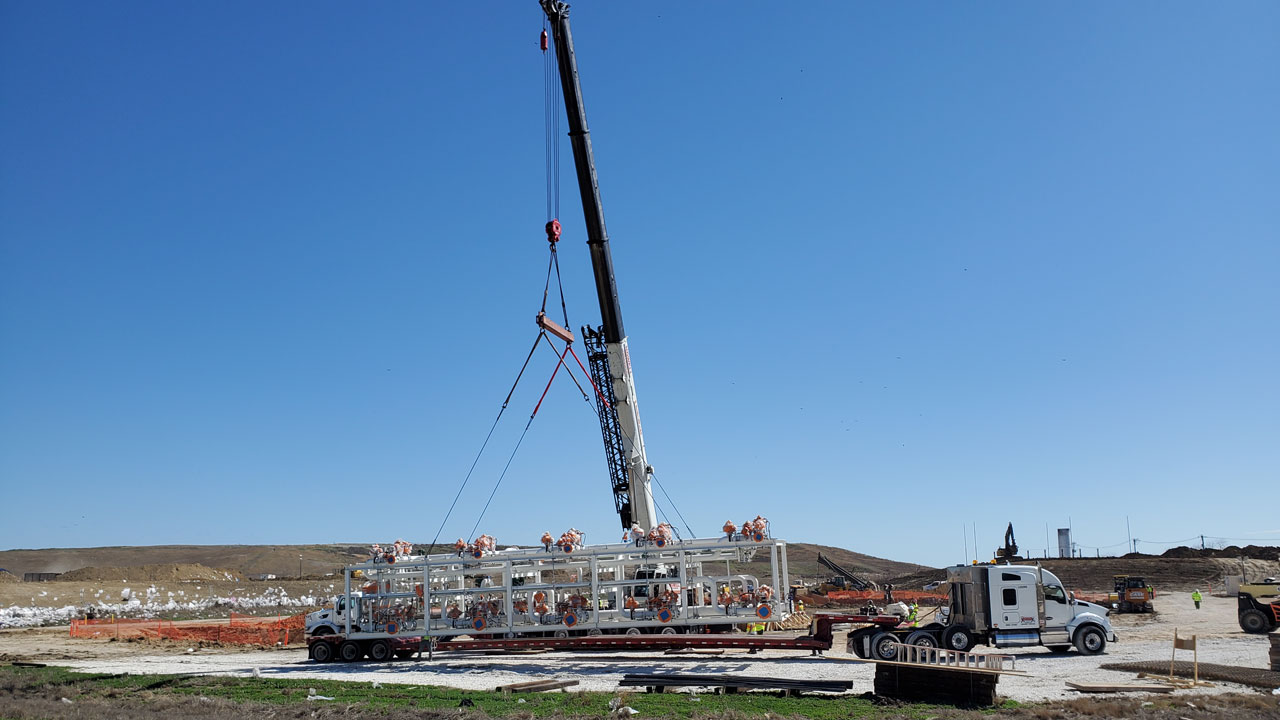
x: 1009, y: 553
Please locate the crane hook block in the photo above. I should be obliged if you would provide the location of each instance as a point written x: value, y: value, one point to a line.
x: 544, y: 41
x: 553, y: 231
x: 554, y: 328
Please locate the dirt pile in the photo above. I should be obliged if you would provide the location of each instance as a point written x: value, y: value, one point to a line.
x: 171, y: 572
x: 8, y: 577
x: 1255, y: 552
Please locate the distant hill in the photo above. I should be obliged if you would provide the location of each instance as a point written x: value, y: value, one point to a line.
x: 282, y: 560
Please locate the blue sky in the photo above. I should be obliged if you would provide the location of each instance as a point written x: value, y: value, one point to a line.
x: 888, y: 270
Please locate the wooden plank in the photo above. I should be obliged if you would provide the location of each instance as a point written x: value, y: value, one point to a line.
x: 537, y: 685
x: 1119, y: 687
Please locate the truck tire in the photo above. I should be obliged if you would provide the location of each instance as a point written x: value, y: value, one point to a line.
x: 321, y: 652
x: 922, y: 638
x: 884, y: 646
x: 1254, y: 620
x: 1091, y: 640
x: 350, y: 651
x: 957, y: 637
x: 379, y: 651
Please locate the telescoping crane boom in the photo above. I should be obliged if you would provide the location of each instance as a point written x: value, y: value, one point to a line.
x: 607, y: 345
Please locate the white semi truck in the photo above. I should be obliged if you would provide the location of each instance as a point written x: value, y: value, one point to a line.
x: 1001, y: 606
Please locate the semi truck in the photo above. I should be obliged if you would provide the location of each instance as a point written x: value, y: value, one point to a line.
x: 1002, y: 606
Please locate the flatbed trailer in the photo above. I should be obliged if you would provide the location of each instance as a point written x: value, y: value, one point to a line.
x: 326, y: 648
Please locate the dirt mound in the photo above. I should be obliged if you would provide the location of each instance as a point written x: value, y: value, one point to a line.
x: 172, y: 572
x: 8, y: 577
x: 1255, y: 552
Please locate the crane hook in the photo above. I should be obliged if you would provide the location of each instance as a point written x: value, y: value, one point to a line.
x: 544, y: 41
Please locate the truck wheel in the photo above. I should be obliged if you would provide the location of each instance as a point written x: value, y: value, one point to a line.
x: 350, y: 651
x: 321, y: 652
x: 922, y: 638
x: 405, y: 653
x: 885, y: 646
x: 380, y: 651
x: 1254, y: 621
x: 1091, y: 641
x: 855, y: 643
x: 957, y: 637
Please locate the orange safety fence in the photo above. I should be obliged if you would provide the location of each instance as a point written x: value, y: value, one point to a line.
x: 927, y: 598
x: 239, y: 630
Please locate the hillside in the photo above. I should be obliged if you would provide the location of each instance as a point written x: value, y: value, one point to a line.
x: 283, y: 561
x: 1095, y: 574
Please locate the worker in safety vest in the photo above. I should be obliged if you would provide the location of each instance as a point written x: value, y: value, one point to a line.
x: 1195, y: 598
x: 911, y: 614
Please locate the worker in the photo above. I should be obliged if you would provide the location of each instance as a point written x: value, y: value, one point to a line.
x: 801, y: 604
x: 911, y: 614
x: 1195, y: 597
x: 1151, y: 592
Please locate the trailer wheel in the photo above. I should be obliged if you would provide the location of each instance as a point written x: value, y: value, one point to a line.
x: 885, y: 646
x: 957, y: 637
x: 669, y: 631
x: 1254, y: 621
x: 595, y: 632
x: 380, y: 651
x: 561, y: 634
x: 922, y: 638
x: 350, y: 651
x: 321, y: 652
x: 405, y: 653
x: 633, y: 631
x: 1090, y: 640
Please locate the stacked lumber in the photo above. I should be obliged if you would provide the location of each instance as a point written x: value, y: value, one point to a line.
x: 733, y: 683
x: 794, y: 621
x: 1275, y: 652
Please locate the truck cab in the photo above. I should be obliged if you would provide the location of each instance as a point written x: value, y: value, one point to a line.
x: 332, y: 620
x: 1018, y: 606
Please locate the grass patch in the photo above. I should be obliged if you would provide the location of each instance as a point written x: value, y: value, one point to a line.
x: 253, y: 696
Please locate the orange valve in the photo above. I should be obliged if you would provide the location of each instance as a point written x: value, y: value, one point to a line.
x: 542, y: 609
x: 539, y: 596
x: 478, y: 623
x: 418, y: 589
x: 664, y: 615
x: 392, y: 628
x: 631, y: 603
x: 567, y: 547
x: 570, y: 619
x: 763, y: 612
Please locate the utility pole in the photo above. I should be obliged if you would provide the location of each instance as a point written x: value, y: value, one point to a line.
x: 965, y: 530
x: 299, y: 566
x: 1129, y: 532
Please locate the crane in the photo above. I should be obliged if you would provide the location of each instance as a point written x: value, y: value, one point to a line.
x: 606, y: 345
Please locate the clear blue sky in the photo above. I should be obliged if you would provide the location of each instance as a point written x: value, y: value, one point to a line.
x: 267, y: 271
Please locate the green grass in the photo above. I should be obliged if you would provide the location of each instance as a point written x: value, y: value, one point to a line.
x: 261, y: 692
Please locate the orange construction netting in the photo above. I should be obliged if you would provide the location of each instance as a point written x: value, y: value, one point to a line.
x: 926, y: 598
x: 239, y: 630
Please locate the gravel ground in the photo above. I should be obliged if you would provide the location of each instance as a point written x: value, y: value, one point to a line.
x: 1047, y: 672
x: 1142, y: 637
